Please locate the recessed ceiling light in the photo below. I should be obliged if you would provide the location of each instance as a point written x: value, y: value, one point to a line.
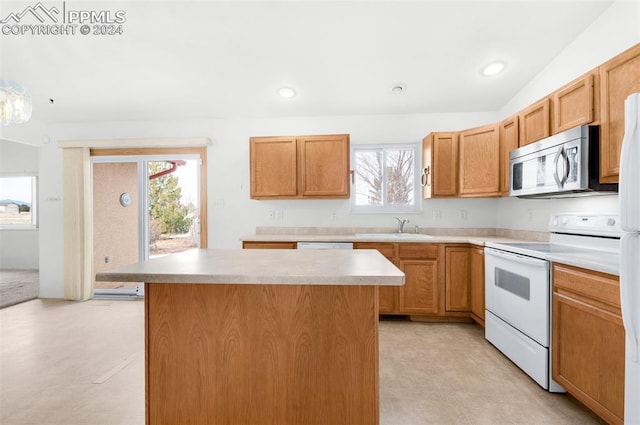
x: 493, y: 68
x: 286, y: 92
x: 398, y: 88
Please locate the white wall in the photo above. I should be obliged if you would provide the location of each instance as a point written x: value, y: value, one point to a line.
x: 18, y: 248
x: 228, y: 164
x: 616, y: 30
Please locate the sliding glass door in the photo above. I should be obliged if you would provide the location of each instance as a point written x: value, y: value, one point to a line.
x: 143, y: 207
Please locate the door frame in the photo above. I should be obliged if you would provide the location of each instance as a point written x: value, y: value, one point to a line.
x: 200, y: 151
x: 77, y: 206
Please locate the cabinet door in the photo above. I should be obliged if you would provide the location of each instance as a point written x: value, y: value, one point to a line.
x: 477, y: 284
x: 324, y: 166
x: 387, y: 295
x: 480, y: 161
x: 573, y: 104
x: 268, y: 245
x: 273, y: 167
x: 534, y: 122
x: 419, y: 294
x: 508, y: 142
x: 457, y: 293
x: 588, y: 339
x: 619, y: 78
x: 440, y: 165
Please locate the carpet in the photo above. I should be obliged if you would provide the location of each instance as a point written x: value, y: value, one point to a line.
x: 17, y: 286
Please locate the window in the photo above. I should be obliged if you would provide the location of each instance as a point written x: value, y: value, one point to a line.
x: 386, y: 178
x: 18, y: 202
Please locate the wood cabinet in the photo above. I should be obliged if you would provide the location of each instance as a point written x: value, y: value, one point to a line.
x: 588, y: 339
x: 440, y: 165
x: 574, y: 104
x: 419, y: 262
x: 457, y: 289
x: 387, y: 295
x: 480, y: 161
x: 477, y: 284
x: 420, y: 294
x: 619, y: 77
x: 268, y: 245
x: 534, y: 122
x: 300, y: 167
x: 508, y: 142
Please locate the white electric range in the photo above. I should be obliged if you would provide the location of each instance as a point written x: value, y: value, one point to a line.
x: 518, y: 286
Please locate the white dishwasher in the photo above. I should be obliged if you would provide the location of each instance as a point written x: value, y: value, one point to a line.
x: 325, y: 245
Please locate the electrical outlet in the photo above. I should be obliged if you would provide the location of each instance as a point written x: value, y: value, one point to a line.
x: 333, y: 215
x: 530, y: 214
x: 218, y: 203
x: 462, y: 214
x: 106, y: 259
x: 272, y: 214
x: 280, y: 215
x: 436, y: 214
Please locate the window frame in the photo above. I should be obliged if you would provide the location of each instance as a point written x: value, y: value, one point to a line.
x: 416, y: 208
x: 34, y: 204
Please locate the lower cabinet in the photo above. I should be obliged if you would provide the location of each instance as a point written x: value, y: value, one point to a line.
x: 457, y: 290
x: 387, y: 295
x: 420, y: 292
x: 477, y: 284
x: 588, y: 339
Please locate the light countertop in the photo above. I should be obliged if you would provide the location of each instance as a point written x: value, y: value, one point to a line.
x: 264, y: 266
x: 605, y: 262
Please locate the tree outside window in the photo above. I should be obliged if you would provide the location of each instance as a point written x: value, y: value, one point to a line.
x: 385, y: 178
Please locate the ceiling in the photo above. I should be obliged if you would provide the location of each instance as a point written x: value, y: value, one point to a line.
x: 193, y: 60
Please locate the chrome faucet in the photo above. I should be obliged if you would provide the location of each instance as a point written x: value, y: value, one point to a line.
x: 401, y: 224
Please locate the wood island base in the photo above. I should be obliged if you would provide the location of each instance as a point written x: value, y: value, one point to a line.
x: 261, y: 354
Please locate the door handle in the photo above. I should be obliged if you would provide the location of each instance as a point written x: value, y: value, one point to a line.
x: 561, y: 154
x: 424, y: 178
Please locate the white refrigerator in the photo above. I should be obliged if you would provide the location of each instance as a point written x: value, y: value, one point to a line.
x: 629, y: 195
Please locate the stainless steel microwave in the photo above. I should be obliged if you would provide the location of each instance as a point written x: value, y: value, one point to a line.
x: 566, y: 164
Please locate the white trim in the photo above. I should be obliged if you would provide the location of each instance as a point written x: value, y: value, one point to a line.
x: 390, y: 209
x: 168, y: 142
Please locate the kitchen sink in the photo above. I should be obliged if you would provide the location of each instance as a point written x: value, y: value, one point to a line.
x: 412, y: 236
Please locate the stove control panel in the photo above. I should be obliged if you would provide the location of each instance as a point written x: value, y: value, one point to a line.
x: 602, y: 224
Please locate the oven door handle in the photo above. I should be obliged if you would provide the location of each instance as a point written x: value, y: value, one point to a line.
x: 516, y: 257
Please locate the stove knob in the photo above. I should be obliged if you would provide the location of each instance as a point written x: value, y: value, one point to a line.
x: 565, y: 220
x: 554, y: 222
x: 611, y: 221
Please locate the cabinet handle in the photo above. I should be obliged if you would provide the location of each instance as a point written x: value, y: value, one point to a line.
x: 424, y: 178
x: 353, y: 176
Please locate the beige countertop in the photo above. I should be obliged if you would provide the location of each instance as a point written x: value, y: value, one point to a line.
x: 264, y: 266
x: 596, y: 260
x: 390, y: 237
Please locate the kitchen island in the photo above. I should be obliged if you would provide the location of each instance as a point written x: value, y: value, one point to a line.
x: 261, y: 337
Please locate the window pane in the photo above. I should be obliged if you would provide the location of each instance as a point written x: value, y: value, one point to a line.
x: 368, y: 180
x: 400, y: 176
x: 16, y: 201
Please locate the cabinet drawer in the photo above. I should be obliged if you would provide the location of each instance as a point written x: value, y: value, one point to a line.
x: 386, y: 249
x: 599, y: 287
x: 407, y: 250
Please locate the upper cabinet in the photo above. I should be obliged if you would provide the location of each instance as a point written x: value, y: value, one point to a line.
x: 534, y: 122
x: 480, y: 161
x: 440, y: 165
x: 619, y: 77
x: 508, y: 142
x: 574, y: 104
x: 300, y: 167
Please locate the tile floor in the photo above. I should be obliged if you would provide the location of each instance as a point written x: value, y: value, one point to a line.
x: 83, y: 364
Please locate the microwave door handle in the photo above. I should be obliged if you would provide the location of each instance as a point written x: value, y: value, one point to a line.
x: 567, y: 167
x: 556, y: 160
